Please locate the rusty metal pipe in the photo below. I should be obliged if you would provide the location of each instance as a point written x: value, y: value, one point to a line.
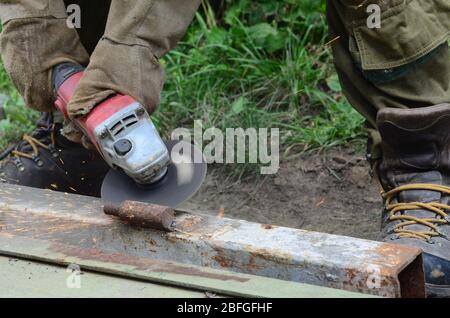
x: 142, y: 214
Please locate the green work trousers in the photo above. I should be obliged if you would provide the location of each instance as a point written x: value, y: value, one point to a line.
x: 119, y: 41
x: 402, y: 61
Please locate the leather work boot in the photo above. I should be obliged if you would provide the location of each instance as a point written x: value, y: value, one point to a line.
x: 415, y: 176
x: 45, y: 159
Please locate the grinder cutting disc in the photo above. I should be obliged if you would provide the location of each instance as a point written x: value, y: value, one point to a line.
x: 183, y: 178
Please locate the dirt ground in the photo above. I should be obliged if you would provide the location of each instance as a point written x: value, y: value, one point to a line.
x: 330, y: 192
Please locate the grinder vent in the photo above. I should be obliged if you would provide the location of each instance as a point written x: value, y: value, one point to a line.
x: 120, y: 125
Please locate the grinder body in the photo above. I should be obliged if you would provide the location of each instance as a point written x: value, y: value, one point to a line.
x: 119, y: 127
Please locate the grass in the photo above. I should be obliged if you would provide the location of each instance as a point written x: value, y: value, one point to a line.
x: 19, y: 119
x: 263, y: 65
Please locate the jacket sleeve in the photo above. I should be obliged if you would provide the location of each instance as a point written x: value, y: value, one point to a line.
x: 35, y: 38
x: 125, y: 61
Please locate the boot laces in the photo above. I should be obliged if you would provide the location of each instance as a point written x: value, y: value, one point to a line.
x: 397, y: 212
x: 34, y: 144
x: 30, y: 145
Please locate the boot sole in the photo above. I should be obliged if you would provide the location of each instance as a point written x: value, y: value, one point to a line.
x: 437, y: 291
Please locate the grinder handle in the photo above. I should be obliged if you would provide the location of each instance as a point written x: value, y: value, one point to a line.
x: 65, y: 79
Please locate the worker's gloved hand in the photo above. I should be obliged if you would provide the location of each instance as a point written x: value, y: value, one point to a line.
x: 34, y: 39
x: 126, y: 58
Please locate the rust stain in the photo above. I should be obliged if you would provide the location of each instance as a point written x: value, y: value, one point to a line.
x: 394, y: 257
x: 188, y: 223
x: 223, y: 261
x: 252, y: 266
x: 221, y: 213
x: 275, y: 255
x: 138, y: 262
x: 351, y: 274
x: 355, y: 280
x: 179, y: 237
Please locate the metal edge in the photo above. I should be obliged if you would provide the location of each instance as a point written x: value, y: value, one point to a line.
x: 166, y: 273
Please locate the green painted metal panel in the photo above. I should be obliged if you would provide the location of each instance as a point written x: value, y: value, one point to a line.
x: 24, y: 279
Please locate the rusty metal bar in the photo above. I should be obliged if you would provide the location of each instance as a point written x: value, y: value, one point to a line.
x: 219, y: 243
x: 143, y: 215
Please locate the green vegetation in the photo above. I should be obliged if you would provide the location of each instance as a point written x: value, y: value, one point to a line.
x: 261, y: 64
x: 19, y: 119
